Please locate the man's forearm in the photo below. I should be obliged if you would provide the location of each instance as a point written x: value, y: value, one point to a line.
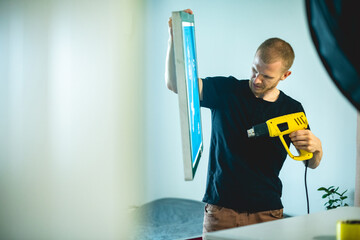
x: 170, y: 72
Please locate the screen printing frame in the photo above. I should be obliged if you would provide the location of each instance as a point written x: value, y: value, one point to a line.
x: 188, y: 89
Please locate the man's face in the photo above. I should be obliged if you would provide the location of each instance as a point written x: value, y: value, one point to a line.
x: 265, y: 77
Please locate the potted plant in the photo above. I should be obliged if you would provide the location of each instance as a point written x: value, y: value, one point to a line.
x: 335, y: 199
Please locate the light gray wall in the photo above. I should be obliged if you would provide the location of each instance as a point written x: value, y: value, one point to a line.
x: 227, y: 34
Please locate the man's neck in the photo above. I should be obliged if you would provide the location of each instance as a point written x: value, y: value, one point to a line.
x: 271, y: 96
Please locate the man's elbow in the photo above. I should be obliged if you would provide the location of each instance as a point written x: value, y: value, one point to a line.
x: 171, y: 87
x: 314, y: 165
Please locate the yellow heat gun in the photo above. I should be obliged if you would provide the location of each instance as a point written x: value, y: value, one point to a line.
x: 280, y: 126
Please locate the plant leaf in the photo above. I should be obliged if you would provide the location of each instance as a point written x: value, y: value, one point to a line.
x: 325, y: 195
x: 322, y: 189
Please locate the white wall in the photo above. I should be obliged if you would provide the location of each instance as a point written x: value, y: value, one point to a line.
x: 71, y: 118
x: 228, y: 33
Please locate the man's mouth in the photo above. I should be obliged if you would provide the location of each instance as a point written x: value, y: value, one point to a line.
x: 257, y: 86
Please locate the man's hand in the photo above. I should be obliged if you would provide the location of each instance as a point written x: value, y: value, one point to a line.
x: 189, y: 11
x: 170, y: 25
x: 306, y: 140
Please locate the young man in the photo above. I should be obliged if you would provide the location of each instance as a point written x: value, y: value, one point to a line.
x: 243, y: 185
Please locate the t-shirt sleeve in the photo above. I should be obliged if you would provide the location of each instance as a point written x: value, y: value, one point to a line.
x: 300, y: 108
x: 215, y: 90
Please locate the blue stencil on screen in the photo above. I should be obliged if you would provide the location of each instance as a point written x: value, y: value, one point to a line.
x: 193, y: 89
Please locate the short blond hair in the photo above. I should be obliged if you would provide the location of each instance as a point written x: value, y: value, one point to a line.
x: 275, y: 49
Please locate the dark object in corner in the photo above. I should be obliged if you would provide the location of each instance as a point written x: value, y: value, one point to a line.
x: 335, y: 28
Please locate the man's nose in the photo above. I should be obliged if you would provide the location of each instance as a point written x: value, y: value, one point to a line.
x: 257, y: 78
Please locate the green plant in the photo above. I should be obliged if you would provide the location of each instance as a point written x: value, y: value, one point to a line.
x: 335, y: 199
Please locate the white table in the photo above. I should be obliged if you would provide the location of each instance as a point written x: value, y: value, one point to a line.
x: 320, y: 226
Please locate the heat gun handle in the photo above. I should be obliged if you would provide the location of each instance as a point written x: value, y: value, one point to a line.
x: 304, y: 155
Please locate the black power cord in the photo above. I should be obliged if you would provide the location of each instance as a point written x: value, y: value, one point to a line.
x: 306, y: 190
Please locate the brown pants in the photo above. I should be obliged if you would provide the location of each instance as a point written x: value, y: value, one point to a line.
x: 219, y: 218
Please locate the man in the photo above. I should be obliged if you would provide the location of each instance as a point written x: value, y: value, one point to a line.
x: 243, y: 185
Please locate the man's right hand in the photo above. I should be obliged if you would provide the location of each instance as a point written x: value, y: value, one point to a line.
x: 189, y: 11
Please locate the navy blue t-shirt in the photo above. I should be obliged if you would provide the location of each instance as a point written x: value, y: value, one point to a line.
x: 243, y: 172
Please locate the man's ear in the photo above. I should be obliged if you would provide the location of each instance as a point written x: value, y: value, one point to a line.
x: 285, y: 75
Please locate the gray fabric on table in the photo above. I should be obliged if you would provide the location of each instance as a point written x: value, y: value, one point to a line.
x: 169, y: 218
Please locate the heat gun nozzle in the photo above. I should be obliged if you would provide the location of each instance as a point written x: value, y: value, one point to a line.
x: 251, y: 132
x: 258, y: 130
